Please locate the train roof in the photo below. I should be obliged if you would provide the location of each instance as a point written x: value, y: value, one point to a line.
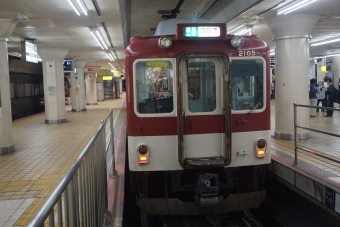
x: 168, y: 27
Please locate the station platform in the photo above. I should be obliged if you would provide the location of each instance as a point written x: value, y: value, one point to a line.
x: 317, y: 174
x: 45, y: 152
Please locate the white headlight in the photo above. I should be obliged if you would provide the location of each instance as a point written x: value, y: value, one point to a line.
x: 164, y: 42
x: 237, y: 41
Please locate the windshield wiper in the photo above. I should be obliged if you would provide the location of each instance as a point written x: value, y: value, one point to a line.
x: 254, y: 108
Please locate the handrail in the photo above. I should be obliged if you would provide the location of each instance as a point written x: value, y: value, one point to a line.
x: 55, y: 198
x: 296, y: 147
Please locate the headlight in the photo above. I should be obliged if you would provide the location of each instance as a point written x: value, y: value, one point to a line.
x: 237, y: 41
x: 164, y: 42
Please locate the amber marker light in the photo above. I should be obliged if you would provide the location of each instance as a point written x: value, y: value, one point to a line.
x: 143, y: 158
x: 143, y: 153
x: 260, y: 148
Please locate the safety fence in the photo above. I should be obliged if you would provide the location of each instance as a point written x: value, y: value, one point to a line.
x: 80, y: 199
x: 296, y: 126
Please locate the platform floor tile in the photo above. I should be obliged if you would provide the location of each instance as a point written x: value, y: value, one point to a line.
x: 43, y: 154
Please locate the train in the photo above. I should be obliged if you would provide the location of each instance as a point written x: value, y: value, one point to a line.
x: 198, y: 115
x: 27, y: 88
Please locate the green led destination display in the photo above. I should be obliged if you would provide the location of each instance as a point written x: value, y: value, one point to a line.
x: 202, y: 31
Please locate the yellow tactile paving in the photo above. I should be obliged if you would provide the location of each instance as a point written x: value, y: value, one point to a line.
x: 45, y: 152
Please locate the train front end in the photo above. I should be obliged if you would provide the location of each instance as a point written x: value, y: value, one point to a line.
x: 198, y: 120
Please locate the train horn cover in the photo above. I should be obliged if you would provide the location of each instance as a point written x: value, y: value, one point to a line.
x: 237, y: 41
x: 164, y: 42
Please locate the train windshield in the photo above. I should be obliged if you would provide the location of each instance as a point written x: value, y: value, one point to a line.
x: 247, y: 84
x: 154, y: 87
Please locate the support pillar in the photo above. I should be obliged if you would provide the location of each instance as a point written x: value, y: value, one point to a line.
x: 54, y: 93
x: 91, y: 85
x: 6, y: 137
x: 292, y: 37
x: 78, y: 87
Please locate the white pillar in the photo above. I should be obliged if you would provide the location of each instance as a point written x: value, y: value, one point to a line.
x: 54, y: 93
x: 78, y: 84
x: 292, y: 36
x: 100, y: 86
x: 91, y: 84
x: 6, y: 137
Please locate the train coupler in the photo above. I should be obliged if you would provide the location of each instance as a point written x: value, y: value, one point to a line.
x: 207, y: 190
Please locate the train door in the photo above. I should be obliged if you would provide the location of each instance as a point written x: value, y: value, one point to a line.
x: 204, y: 90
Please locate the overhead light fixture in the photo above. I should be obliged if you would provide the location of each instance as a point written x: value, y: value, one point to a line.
x: 243, y: 30
x: 327, y: 55
x: 112, y: 66
x: 78, y: 6
x: 294, y: 6
x: 98, y: 36
x: 110, y: 56
x: 321, y: 42
x: 231, y: 31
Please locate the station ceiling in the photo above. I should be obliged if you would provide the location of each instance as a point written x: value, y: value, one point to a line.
x: 54, y: 23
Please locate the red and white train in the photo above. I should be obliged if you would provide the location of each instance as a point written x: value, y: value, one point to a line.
x: 198, y: 110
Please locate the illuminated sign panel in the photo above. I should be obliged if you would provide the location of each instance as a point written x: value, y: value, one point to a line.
x: 31, y: 52
x: 202, y: 31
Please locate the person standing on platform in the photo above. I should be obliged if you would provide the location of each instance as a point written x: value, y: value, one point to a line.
x: 330, y: 93
x: 272, y: 96
x: 313, y: 89
x: 321, y: 97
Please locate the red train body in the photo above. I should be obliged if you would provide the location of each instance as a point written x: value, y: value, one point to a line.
x: 198, y: 106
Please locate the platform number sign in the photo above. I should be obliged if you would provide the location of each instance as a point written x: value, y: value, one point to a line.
x: 329, y: 198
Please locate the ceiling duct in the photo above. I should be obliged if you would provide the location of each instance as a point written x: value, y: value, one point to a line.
x: 169, y: 14
x: 96, y: 6
x: 224, y: 11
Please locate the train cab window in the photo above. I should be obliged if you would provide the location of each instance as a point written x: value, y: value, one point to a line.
x: 154, y: 87
x: 247, y: 78
x: 201, y: 86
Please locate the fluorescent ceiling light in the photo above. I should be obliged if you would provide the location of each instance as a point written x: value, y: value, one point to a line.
x: 78, y: 6
x: 98, y: 36
x: 112, y: 66
x: 110, y: 56
x: 231, y: 31
x: 242, y: 30
x: 321, y: 42
x: 294, y: 6
x: 327, y: 55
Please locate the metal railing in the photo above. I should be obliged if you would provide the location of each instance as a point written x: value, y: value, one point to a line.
x: 296, y: 147
x: 80, y: 199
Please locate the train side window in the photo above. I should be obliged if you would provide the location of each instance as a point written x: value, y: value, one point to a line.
x: 12, y: 90
x: 154, y: 87
x: 28, y: 91
x: 19, y: 90
x: 247, y: 78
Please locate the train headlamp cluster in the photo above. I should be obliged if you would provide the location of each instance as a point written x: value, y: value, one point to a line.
x: 260, y: 148
x: 143, y: 153
x: 237, y: 41
x: 164, y: 42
